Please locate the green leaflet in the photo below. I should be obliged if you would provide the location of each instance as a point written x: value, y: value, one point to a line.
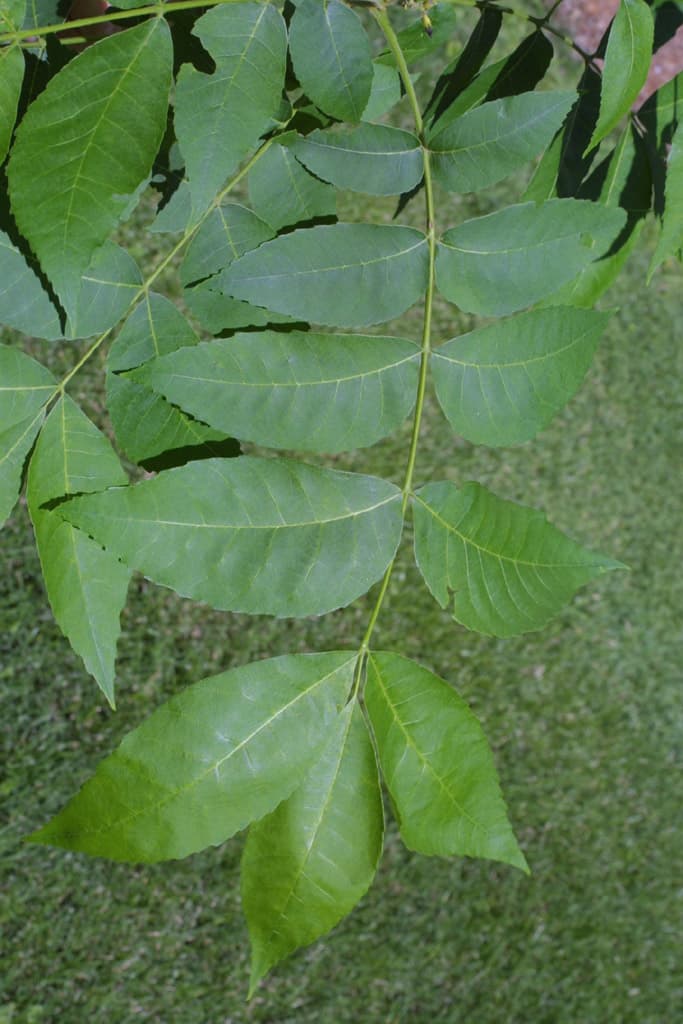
x: 11, y: 77
x: 86, y: 586
x: 220, y: 755
x: 314, y: 392
x: 107, y: 288
x: 504, y: 568
x: 248, y: 42
x: 372, y: 158
x: 341, y: 275
x: 416, y: 43
x: 145, y: 424
x: 281, y: 192
x: 11, y: 14
x: 228, y: 232
x: 385, y: 92
x: 501, y: 384
x: 217, y: 312
x: 627, y: 60
x: 15, y: 444
x: 331, y: 55
x: 437, y: 764
x: 85, y: 145
x: 308, y: 863
x: 24, y: 303
x: 493, y: 140
x: 25, y: 386
x: 264, y: 536
x: 510, y: 259
x: 671, y: 237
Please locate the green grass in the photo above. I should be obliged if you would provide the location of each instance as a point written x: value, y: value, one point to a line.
x: 584, y: 717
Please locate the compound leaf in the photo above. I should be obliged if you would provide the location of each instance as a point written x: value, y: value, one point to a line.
x: 437, y: 764
x: 314, y: 392
x: 85, y: 145
x: 501, y: 384
x: 306, y: 865
x: 503, y: 567
x: 627, y: 61
x: 493, y: 140
x: 220, y: 755
x: 371, y: 158
x: 265, y: 536
x: 510, y: 259
x: 145, y: 424
x: 342, y: 275
x: 236, y: 104
x: 331, y: 55
x: 85, y: 585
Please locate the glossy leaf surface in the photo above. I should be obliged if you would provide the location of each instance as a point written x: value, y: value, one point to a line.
x: 502, y: 567
x: 86, y: 586
x: 218, y: 756
x: 306, y: 865
x: 437, y: 764
x: 627, y: 60
x: 342, y: 275
x: 372, y: 158
x: 314, y: 392
x: 266, y: 536
x: 330, y: 51
x: 85, y: 145
x: 510, y: 259
x: 248, y: 44
x: 491, y: 141
x: 503, y: 383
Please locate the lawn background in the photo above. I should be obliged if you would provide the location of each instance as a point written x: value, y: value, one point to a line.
x: 585, y: 719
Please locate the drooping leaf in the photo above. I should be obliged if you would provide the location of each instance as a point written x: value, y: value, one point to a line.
x: 145, y: 424
x: 437, y: 764
x: 85, y: 585
x: 502, y: 567
x: 216, y: 757
x: 372, y: 158
x: 314, y: 392
x: 24, y: 302
x: 107, y: 289
x: 282, y: 192
x: 264, y: 536
x: 510, y: 259
x: 11, y: 76
x: 85, y: 145
x: 15, y: 444
x: 627, y: 61
x: 524, y: 68
x: 341, y: 275
x: 220, y: 117
x: 306, y: 865
x: 493, y: 140
x: 460, y: 72
x: 331, y: 54
x: 25, y: 386
x: 385, y: 92
x: 671, y: 237
x: 416, y: 42
x: 501, y: 384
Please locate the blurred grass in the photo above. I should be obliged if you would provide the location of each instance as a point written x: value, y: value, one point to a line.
x: 585, y: 719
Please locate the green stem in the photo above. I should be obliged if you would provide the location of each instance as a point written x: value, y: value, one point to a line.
x: 102, y: 19
x: 395, y: 47
x: 159, y: 269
